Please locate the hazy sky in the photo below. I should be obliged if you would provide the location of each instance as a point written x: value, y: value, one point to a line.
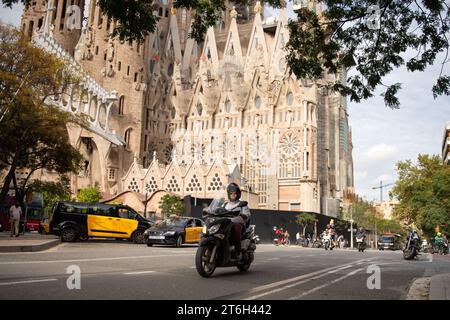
x: 381, y: 136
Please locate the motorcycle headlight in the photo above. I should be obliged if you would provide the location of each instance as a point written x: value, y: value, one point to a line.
x: 169, y: 233
x: 214, y: 229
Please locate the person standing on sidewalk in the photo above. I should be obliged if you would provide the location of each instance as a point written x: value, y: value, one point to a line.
x: 14, y: 218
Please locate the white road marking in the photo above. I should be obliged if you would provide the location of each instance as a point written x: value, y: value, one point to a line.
x: 139, y: 272
x: 92, y: 260
x: 295, y: 284
x: 28, y: 281
x: 295, y: 279
x: 273, y: 259
x: 326, y: 284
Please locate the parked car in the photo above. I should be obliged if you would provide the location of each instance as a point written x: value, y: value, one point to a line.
x: 77, y: 220
x: 389, y: 242
x: 175, y: 231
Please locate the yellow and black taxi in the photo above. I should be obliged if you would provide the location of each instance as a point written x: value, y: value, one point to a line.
x: 78, y: 220
x: 175, y: 231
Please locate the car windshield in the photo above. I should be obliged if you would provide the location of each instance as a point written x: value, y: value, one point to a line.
x: 390, y: 239
x: 172, y: 222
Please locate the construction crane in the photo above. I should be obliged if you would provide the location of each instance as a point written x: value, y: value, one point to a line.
x: 381, y: 189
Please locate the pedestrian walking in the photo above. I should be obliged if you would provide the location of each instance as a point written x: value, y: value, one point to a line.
x: 14, y: 218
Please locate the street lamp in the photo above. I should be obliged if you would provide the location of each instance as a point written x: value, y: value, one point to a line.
x: 351, y: 227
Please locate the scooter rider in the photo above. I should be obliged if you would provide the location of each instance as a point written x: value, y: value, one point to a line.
x: 361, y: 233
x: 240, y: 221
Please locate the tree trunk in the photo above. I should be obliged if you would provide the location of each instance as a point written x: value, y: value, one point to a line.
x: 304, y: 230
x: 6, y: 184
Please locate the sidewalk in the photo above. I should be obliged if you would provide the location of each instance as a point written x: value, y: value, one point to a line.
x: 440, y: 287
x: 28, y: 242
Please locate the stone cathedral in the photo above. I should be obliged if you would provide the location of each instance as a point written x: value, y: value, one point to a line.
x: 187, y: 118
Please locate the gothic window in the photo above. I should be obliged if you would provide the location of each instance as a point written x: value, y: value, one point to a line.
x: 194, y: 185
x: 173, y: 186
x: 216, y: 184
x: 262, y: 185
x: 228, y: 106
x: 290, y: 145
x: 258, y: 103
x: 199, y: 109
x: 290, y: 99
x: 168, y: 153
x: 152, y: 185
x: 127, y: 137
x: 133, y: 186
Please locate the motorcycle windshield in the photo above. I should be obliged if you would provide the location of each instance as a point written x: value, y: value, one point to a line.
x: 215, y: 203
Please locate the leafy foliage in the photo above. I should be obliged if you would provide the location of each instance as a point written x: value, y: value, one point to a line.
x: 91, y: 194
x: 305, y: 219
x: 423, y: 190
x: 171, y: 205
x: 52, y: 191
x: 33, y: 132
x: 345, y: 34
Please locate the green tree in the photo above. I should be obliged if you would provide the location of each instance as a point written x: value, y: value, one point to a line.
x: 33, y: 132
x: 343, y: 35
x: 306, y: 219
x: 423, y: 191
x: 91, y: 194
x: 170, y: 205
x: 52, y: 191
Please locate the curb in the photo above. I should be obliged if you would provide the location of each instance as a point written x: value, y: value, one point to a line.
x: 419, y: 289
x: 31, y: 248
x: 439, y: 288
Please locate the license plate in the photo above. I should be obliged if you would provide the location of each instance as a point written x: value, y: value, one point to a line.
x: 157, y: 237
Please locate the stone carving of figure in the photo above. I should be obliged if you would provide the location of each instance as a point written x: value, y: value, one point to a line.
x: 103, y: 71
x: 110, y: 52
x: 289, y: 118
x: 52, y: 28
x: 110, y: 71
x: 233, y: 13
x: 256, y: 121
x: 88, y: 55
x: 88, y: 37
x: 258, y: 8
x: 79, y: 53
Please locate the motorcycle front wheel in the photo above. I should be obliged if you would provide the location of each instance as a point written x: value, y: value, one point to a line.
x: 409, y: 254
x: 204, y: 267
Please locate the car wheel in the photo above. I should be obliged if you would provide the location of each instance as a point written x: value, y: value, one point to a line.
x: 179, y: 242
x: 149, y: 244
x: 68, y: 234
x: 138, y: 236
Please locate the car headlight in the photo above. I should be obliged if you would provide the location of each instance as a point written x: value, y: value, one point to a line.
x: 146, y: 232
x: 214, y: 229
x: 169, y: 233
x: 204, y: 229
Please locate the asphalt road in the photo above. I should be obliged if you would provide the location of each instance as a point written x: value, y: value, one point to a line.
x: 122, y: 270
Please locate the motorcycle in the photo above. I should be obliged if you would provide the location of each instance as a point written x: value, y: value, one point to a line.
x: 327, y: 243
x: 412, y: 247
x: 361, y: 244
x: 282, y: 241
x: 214, y: 248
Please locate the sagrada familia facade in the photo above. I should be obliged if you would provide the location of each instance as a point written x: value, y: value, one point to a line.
x: 188, y: 118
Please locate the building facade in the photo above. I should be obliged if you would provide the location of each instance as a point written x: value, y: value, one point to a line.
x: 172, y: 114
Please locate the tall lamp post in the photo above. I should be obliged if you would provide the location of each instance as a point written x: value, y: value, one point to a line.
x: 351, y: 227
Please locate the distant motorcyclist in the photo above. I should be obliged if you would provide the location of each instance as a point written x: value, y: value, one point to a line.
x: 361, y: 233
x: 240, y: 221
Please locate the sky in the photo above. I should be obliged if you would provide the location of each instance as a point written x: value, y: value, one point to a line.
x: 381, y: 136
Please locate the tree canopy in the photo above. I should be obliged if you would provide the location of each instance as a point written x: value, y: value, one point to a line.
x: 373, y: 36
x: 33, y: 132
x: 171, y: 205
x: 91, y: 194
x: 423, y: 190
